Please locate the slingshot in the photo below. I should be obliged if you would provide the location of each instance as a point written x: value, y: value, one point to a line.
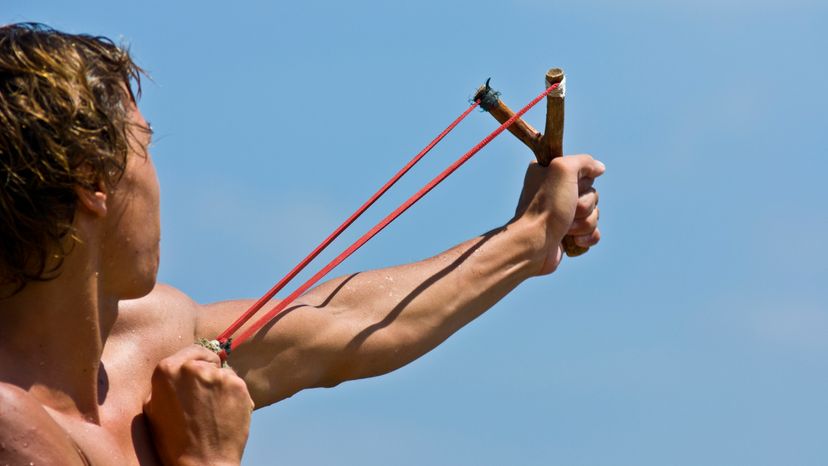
x: 545, y: 147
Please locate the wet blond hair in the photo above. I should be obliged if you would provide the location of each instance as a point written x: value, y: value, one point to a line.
x: 65, y: 101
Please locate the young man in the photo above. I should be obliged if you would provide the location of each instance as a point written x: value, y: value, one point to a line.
x: 97, y: 362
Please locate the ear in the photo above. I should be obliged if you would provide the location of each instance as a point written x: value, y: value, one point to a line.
x: 92, y: 201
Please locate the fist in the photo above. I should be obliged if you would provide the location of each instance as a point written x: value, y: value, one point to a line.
x: 558, y: 201
x: 198, y: 412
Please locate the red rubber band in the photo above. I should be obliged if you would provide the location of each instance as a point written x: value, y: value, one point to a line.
x: 235, y: 326
x: 262, y: 321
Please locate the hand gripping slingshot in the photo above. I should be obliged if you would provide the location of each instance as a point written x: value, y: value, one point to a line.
x: 545, y: 147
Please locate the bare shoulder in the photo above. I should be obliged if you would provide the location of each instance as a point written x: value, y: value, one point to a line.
x: 166, y: 317
x: 162, y: 301
x: 164, y: 305
x: 29, y: 435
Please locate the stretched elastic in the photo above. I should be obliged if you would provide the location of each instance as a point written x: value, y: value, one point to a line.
x: 261, y: 302
x: 279, y: 308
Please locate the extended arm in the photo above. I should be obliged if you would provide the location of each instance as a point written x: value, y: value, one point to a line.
x: 374, y: 322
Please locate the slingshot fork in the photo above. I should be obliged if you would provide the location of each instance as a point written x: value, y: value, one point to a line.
x: 546, y: 146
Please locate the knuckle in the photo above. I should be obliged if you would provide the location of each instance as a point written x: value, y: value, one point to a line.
x: 209, y: 378
x: 236, y: 383
x: 205, y: 353
x: 592, y: 219
x: 559, y: 164
x: 588, y: 240
x: 210, y: 354
x: 585, y: 206
x: 583, y: 241
x: 193, y: 369
x: 581, y: 228
x: 585, y: 225
x: 166, y: 367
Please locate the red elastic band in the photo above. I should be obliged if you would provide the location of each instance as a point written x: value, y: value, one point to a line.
x: 235, y: 326
x: 262, y: 321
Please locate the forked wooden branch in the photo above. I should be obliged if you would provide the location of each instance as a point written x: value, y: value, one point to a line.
x: 546, y: 146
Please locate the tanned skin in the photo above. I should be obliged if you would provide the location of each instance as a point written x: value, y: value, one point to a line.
x: 72, y: 391
x: 348, y: 328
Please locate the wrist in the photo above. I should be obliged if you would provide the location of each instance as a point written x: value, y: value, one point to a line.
x: 532, y: 241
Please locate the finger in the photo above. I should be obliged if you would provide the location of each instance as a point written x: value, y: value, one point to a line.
x: 203, y: 371
x: 199, y: 365
x: 585, y: 184
x: 588, y: 167
x: 194, y: 352
x: 236, y: 388
x: 586, y: 203
x: 238, y: 384
x: 584, y: 226
x: 587, y: 241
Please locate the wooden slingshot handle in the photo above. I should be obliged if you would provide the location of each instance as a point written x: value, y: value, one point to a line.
x: 545, y: 146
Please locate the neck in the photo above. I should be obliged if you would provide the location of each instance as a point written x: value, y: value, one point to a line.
x: 53, y: 335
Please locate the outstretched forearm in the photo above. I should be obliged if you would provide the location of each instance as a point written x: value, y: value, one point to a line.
x: 373, y: 322
x: 390, y: 317
x: 370, y: 323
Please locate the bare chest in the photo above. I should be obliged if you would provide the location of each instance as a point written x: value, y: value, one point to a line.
x: 124, y: 436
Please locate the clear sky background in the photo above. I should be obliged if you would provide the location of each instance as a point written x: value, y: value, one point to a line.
x: 695, y: 334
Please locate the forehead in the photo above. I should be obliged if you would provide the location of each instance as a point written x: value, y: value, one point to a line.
x: 139, y: 134
x: 135, y: 115
x: 141, y: 129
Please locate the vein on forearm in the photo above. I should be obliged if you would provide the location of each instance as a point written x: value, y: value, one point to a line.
x: 395, y: 315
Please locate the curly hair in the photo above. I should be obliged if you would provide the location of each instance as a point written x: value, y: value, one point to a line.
x: 64, y: 123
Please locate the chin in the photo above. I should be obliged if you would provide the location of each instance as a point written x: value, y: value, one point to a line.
x: 138, y: 289
x: 142, y: 284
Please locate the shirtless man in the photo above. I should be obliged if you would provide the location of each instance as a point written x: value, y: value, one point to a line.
x: 88, y: 337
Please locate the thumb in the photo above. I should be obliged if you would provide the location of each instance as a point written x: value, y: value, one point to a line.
x: 588, y: 167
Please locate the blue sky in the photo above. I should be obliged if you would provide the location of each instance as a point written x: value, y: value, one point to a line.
x: 696, y: 333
